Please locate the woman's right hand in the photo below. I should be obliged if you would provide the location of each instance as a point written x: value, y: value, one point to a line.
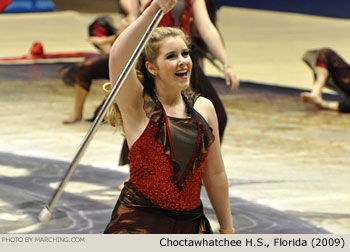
x: 164, y: 5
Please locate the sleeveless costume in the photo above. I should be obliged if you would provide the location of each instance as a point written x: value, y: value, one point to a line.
x: 181, y: 17
x: 162, y: 194
x: 339, y: 72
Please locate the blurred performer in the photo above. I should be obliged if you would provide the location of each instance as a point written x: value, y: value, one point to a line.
x: 330, y: 71
x: 102, y: 34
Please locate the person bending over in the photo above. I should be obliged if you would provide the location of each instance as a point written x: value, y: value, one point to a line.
x: 331, y: 71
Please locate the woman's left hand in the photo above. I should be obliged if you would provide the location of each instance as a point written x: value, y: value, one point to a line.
x: 231, y: 78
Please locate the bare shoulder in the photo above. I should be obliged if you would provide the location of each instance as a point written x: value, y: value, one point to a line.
x: 206, y: 108
x: 203, y: 102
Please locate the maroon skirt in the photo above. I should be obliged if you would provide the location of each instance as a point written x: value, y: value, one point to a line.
x: 134, y: 213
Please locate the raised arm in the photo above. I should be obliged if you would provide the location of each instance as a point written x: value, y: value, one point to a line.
x: 211, y: 37
x: 122, y: 49
x: 130, y: 93
x: 214, y: 175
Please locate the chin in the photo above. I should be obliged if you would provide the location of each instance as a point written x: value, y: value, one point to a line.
x: 185, y: 85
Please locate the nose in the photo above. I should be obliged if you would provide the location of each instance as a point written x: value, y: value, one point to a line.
x: 182, y: 60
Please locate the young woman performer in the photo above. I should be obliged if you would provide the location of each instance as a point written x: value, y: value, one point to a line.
x: 195, y: 18
x: 172, y: 134
x: 331, y: 71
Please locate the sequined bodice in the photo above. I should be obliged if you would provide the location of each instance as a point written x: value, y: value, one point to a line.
x: 163, y: 166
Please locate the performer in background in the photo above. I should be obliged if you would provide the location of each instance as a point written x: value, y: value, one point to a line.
x: 330, y: 71
x: 172, y: 134
x: 102, y: 34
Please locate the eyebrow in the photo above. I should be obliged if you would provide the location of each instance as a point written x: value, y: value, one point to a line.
x: 174, y: 51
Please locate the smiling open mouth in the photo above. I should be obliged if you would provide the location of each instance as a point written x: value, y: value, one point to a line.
x: 181, y: 74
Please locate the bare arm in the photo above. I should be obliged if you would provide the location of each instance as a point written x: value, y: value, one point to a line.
x: 211, y: 37
x: 130, y: 93
x: 129, y: 98
x: 214, y: 175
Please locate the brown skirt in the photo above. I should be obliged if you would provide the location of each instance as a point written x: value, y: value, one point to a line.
x: 135, y: 214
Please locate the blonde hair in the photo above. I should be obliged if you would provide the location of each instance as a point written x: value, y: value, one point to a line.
x: 113, y: 116
x: 149, y: 53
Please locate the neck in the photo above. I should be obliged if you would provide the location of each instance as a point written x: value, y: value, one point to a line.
x: 172, y: 103
x: 168, y: 96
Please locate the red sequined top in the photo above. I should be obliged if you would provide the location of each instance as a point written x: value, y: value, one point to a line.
x: 152, y: 166
x: 185, y: 18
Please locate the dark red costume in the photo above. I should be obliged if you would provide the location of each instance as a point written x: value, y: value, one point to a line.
x: 184, y: 21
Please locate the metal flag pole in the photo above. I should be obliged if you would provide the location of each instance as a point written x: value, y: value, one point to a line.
x: 46, y: 213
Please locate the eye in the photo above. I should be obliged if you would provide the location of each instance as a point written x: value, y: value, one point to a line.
x: 185, y: 53
x: 170, y: 56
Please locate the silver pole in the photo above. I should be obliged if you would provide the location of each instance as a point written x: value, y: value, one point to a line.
x: 46, y: 213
